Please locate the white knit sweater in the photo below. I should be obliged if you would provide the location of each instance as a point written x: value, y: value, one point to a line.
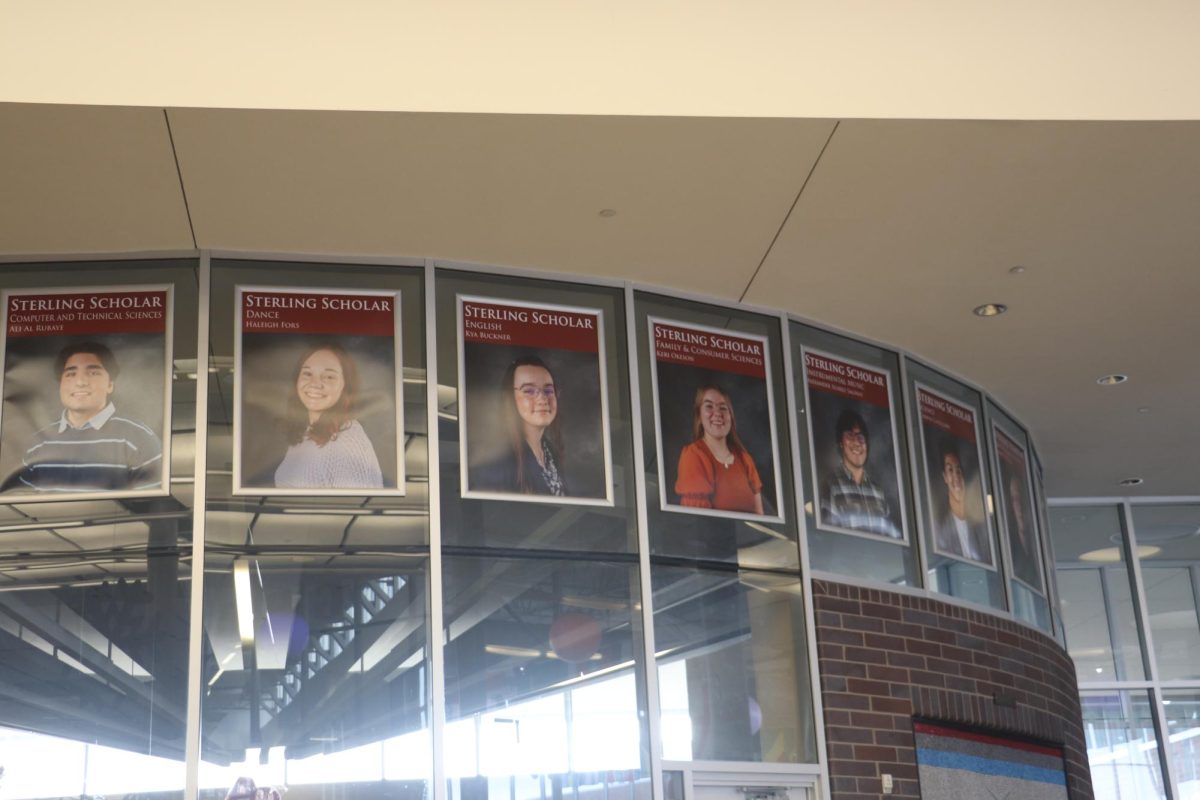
x: 346, y: 461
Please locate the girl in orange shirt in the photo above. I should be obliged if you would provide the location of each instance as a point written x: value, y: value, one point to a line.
x: 715, y: 470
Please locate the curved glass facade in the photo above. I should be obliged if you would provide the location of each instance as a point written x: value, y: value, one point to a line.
x: 1129, y: 578
x: 461, y: 532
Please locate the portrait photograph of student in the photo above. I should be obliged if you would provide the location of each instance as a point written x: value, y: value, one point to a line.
x: 327, y: 445
x: 1016, y: 510
x: 714, y: 422
x: 318, y: 394
x: 716, y: 470
x: 953, y: 469
x: 856, y: 468
x: 85, y: 391
x: 533, y: 404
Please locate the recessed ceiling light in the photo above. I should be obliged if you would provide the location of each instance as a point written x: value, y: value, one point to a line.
x: 1144, y: 410
x: 608, y: 212
x: 509, y: 650
x: 1111, y: 555
x: 990, y: 310
x: 1112, y: 380
x: 1132, y: 482
x: 1017, y: 270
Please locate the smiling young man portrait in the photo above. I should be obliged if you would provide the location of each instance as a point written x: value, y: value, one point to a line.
x: 90, y: 448
x: 850, y: 499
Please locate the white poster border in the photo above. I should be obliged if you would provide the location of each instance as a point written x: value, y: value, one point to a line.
x: 239, y: 385
x: 168, y: 384
x: 476, y: 494
x: 982, y: 472
x: 770, y: 387
x: 901, y: 488
x: 1005, y: 521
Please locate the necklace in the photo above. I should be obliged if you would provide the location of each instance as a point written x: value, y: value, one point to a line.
x: 726, y: 460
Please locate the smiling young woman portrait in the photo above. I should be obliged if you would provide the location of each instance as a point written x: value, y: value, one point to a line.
x: 327, y: 447
x: 534, y: 458
x: 716, y: 471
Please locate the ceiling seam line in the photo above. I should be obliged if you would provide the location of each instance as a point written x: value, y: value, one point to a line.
x: 187, y: 209
x: 788, y: 216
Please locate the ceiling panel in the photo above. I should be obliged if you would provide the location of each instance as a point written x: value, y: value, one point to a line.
x: 907, y: 226
x: 697, y: 200
x: 85, y: 179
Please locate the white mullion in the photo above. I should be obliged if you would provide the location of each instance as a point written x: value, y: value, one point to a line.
x: 810, y: 617
x: 199, y: 496
x: 653, y: 703
x: 1151, y: 660
x: 434, y: 639
x: 916, y: 492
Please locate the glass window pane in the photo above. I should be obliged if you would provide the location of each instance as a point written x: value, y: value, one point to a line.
x: 1048, y: 557
x: 95, y: 594
x: 93, y: 666
x: 315, y: 668
x: 1168, y: 540
x: 953, y: 480
x: 1096, y: 593
x: 266, y: 434
x: 1182, y: 710
x: 604, y: 719
x: 732, y: 666
x: 499, y: 513
x: 540, y: 675
x: 315, y: 660
x: 870, y: 552
x: 1123, y: 750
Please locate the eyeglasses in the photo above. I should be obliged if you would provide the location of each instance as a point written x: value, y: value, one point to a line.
x: 855, y: 436
x: 531, y: 392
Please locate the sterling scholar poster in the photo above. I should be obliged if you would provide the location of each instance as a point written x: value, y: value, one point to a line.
x: 87, y: 393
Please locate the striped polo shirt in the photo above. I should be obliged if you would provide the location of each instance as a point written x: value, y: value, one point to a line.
x: 106, y: 453
x: 858, y: 506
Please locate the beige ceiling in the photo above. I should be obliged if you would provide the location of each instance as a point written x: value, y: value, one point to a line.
x: 948, y: 59
x: 898, y: 229
x: 907, y: 226
x: 697, y: 200
x: 88, y: 179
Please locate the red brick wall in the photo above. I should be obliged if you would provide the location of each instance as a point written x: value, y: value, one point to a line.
x: 886, y: 657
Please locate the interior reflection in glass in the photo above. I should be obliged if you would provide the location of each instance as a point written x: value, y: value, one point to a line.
x: 541, y: 692
x: 94, y: 609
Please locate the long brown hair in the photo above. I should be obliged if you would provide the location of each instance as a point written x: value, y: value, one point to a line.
x: 515, y: 432
x: 333, y: 421
x: 733, y: 441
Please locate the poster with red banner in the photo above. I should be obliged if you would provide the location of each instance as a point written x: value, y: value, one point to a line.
x: 855, y: 457
x: 1016, y: 509
x: 87, y: 393
x: 318, y: 392
x: 714, y: 422
x: 954, y: 479
x: 533, y: 402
